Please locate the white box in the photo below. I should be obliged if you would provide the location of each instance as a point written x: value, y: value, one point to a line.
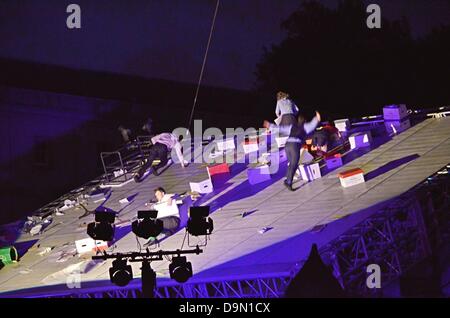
x: 216, y: 154
x: 281, y: 141
x: 275, y: 156
x: 305, y: 156
x: 310, y: 172
x: 395, y: 112
x: 250, y: 147
x: 265, y: 169
x: 361, y: 139
x: 342, y: 124
x: 88, y: 245
x: 273, y: 160
x: 224, y: 145
x: 282, y: 155
x: 351, y: 177
x: 203, y: 187
x: 396, y: 126
x: 258, y: 174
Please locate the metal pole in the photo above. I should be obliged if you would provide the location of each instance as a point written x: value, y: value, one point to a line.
x: 148, y: 277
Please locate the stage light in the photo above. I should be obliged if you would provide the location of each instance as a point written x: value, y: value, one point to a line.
x: 180, y: 269
x: 120, y: 273
x: 199, y: 223
x: 103, y: 228
x: 147, y: 225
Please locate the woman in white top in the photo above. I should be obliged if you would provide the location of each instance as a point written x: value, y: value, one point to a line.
x: 286, y: 109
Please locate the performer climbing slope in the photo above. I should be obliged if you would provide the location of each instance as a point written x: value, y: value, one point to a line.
x: 162, y: 145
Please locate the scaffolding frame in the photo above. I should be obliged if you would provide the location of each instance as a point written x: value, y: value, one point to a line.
x: 396, y: 238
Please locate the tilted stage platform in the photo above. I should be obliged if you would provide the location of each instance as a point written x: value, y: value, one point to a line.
x: 237, y: 256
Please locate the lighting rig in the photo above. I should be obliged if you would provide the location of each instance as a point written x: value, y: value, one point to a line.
x: 121, y: 273
x: 103, y: 227
x: 199, y: 223
x: 145, y: 226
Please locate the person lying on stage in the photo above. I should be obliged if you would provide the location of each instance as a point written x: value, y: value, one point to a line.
x: 323, y: 139
x: 162, y: 147
x: 168, y: 213
x: 297, y: 135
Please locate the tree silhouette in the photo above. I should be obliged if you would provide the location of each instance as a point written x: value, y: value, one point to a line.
x: 332, y: 61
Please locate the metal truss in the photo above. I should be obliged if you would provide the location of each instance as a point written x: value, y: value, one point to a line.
x: 271, y: 287
x: 396, y: 238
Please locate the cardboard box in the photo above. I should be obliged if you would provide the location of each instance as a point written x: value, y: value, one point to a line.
x: 202, y: 187
x: 334, y: 161
x: 224, y: 145
x: 89, y: 245
x: 219, y: 174
x: 250, y: 146
x: 216, y: 154
x: 278, y: 156
x: 395, y: 112
x: 219, y: 169
x: 342, y: 125
x: 397, y: 126
x: 259, y: 174
x: 351, y: 177
x: 305, y: 156
x: 282, y: 157
x: 281, y: 141
x: 360, y: 140
x: 310, y: 172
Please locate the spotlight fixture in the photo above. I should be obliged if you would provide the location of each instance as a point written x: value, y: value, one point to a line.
x: 180, y: 269
x: 103, y: 228
x: 199, y: 223
x: 147, y: 224
x: 120, y: 273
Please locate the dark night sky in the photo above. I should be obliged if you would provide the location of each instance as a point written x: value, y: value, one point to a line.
x: 166, y: 38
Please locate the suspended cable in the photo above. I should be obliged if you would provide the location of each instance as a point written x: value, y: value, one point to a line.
x: 203, y: 65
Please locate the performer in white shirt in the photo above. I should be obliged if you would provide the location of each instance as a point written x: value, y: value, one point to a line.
x: 168, y: 212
